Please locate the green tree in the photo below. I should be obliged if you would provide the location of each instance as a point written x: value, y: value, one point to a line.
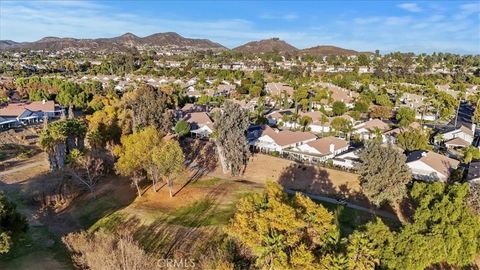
x: 361, y: 252
x: 444, y: 230
x: 413, y: 139
x: 363, y: 60
x: 405, y: 116
x: 283, y: 233
x: 383, y: 173
x: 169, y: 161
x: 342, y: 124
x: 230, y: 137
x: 304, y: 121
x: 12, y: 223
x: 182, y: 128
x: 135, y: 155
x: 149, y: 106
x: 383, y: 100
x: 60, y: 138
x: 469, y: 153
x: 361, y: 107
x: 339, y: 108
x: 381, y: 112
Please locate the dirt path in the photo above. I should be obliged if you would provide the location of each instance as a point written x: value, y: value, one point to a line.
x: 25, y: 167
x: 44, y: 249
x: 316, y: 182
x: 348, y: 205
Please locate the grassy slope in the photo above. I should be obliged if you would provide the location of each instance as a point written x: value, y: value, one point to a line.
x: 38, y: 247
x: 158, y: 229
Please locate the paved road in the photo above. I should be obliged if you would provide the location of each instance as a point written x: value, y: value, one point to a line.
x: 464, y: 115
x: 380, y: 213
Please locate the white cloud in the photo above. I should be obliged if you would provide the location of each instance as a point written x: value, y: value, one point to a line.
x: 435, y: 31
x: 272, y: 16
x: 410, y: 7
x: 397, y: 20
x: 367, y: 20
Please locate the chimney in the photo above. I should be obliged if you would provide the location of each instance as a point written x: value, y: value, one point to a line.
x: 331, y: 148
x: 43, y: 101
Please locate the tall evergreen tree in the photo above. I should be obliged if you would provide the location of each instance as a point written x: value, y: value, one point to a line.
x: 230, y: 136
x: 383, y: 173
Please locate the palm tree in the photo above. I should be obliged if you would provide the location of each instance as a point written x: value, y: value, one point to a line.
x: 304, y: 121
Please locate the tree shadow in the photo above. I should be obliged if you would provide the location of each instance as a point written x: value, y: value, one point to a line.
x: 185, y: 233
x: 315, y: 180
x: 201, y: 159
x: 63, y: 205
x: 307, y: 178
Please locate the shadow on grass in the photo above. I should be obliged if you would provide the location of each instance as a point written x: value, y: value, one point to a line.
x: 187, y: 231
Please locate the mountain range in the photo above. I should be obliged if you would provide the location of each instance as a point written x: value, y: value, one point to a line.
x: 123, y: 42
x: 169, y: 40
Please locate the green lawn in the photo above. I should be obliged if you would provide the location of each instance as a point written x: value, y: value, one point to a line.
x: 350, y: 219
x: 37, y: 248
x: 89, y: 212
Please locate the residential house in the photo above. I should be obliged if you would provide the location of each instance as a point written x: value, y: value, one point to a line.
x: 319, y: 126
x: 473, y: 175
x: 368, y: 130
x: 419, y: 104
x: 431, y: 166
x: 201, y: 125
x: 273, y: 140
x: 458, y: 137
x: 226, y: 89
x: 320, y: 150
x: 278, y: 89
x: 390, y: 136
x: 337, y: 93
x: 348, y: 159
x: 276, y: 117
x: 27, y: 113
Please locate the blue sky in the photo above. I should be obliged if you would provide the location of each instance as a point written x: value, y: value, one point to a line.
x: 420, y: 26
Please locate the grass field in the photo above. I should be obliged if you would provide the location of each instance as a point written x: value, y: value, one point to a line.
x: 187, y: 225
x: 39, y: 248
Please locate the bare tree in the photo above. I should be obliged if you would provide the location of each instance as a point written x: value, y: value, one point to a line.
x: 101, y: 251
x: 88, y: 168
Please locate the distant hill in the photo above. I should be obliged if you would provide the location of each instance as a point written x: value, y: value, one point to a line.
x: 327, y: 50
x: 267, y: 46
x: 123, y: 42
x: 7, y: 44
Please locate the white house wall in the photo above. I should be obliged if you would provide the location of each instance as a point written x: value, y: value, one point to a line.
x: 422, y: 171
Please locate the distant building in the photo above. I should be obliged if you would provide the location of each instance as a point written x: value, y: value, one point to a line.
x: 348, y: 159
x: 15, y: 114
x: 458, y: 137
x: 431, y: 166
x: 320, y: 150
x: 201, y: 125
x: 274, y: 140
x: 368, y: 129
x: 278, y: 89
